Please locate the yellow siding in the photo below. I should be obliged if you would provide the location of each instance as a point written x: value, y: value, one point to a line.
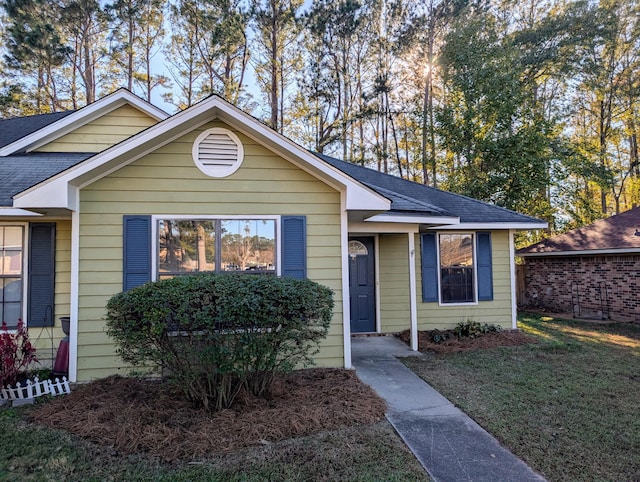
x: 47, y: 339
x: 394, y: 283
x: 167, y: 182
x: 103, y: 132
x: 394, y: 291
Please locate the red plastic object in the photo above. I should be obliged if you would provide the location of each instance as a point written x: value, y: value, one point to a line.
x: 61, y: 366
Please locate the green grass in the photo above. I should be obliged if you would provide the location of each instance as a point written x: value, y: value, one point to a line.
x: 33, y: 453
x: 569, y: 406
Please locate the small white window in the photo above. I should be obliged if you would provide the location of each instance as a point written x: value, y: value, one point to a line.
x: 218, y: 152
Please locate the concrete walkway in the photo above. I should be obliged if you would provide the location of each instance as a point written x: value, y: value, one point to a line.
x: 449, y: 444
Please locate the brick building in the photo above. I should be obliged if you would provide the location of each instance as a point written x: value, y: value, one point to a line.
x: 592, y: 272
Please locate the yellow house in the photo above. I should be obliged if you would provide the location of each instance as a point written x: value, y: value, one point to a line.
x: 118, y: 193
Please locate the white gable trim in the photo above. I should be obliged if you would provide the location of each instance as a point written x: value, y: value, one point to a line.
x: 81, y: 117
x: 55, y: 191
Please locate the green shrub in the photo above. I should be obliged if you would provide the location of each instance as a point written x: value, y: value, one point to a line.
x: 217, y: 333
x: 473, y: 329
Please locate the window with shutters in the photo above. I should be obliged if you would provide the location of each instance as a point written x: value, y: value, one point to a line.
x: 456, y: 268
x: 220, y: 245
x: 11, y: 273
x: 218, y: 152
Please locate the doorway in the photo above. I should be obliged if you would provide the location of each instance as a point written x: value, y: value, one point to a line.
x: 362, y: 290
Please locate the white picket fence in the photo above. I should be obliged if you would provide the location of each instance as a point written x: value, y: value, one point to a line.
x: 36, y: 388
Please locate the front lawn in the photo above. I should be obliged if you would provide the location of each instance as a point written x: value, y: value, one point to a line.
x: 569, y: 405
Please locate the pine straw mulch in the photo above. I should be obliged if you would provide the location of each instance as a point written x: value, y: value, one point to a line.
x: 132, y: 415
x: 457, y: 345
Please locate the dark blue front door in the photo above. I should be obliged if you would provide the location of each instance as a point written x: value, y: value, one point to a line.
x: 362, y: 285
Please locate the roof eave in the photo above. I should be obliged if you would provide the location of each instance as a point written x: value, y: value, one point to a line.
x: 515, y: 225
x: 80, y: 117
x: 20, y: 213
x: 358, y: 195
x: 583, y: 252
x: 413, y: 219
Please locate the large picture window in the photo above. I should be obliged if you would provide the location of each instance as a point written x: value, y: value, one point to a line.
x: 456, y: 268
x: 220, y: 245
x: 11, y: 274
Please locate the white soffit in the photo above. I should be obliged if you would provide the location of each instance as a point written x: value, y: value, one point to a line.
x: 53, y: 192
x: 81, y: 117
x: 409, y: 218
x: 495, y: 226
x: 13, y: 212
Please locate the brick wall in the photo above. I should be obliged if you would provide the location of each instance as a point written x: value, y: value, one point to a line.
x: 592, y: 283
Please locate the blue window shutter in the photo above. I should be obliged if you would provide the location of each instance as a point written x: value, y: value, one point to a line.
x: 137, y: 251
x: 429, y: 267
x: 294, y: 246
x: 485, y: 268
x: 42, y: 268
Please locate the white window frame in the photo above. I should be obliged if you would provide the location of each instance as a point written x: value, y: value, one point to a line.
x: 196, y: 217
x: 25, y: 268
x: 474, y: 264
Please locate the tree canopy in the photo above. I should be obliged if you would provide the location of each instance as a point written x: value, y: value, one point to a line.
x: 532, y: 105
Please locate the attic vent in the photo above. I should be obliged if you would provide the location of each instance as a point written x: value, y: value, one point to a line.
x: 218, y: 152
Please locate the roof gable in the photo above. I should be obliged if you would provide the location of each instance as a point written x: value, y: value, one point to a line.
x: 64, y: 124
x: 60, y: 191
x: 614, y: 234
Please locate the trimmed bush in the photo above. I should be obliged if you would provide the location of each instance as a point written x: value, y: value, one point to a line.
x: 217, y: 333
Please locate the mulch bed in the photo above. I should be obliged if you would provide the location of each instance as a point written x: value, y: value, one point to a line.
x: 140, y: 416
x: 457, y: 345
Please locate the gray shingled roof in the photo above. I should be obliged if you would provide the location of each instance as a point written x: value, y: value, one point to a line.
x: 613, y: 233
x: 411, y: 197
x: 20, y: 172
x: 15, y: 128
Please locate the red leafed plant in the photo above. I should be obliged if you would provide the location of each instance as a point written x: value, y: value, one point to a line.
x: 16, y: 353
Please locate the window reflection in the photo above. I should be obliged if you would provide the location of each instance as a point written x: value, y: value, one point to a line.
x: 11, y: 252
x: 186, y: 247
x: 237, y: 245
x: 248, y: 245
x: 456, y: 268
